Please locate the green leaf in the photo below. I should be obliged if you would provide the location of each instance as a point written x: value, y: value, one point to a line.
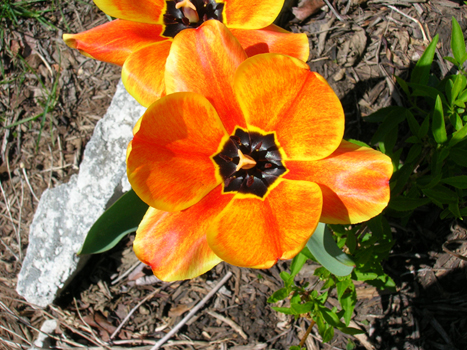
x: 321, y: 325
x: 440, y: 194
x: 456, y: 121
x: 424, y: 128
x: 302, y: 308
x: 328, y: 254
x: 413, y: 124
x: 458, y: 136
x: 285, y: 276
x: 383, y: 113
x: 278, y: 295
x: 458, y: 86
x: 330, y: 317
x: 403, y: 85
x: 462, y: 96
x: 452, y: 60
x: 284, y: 310
x: 365, y: 276
x: 351, y: 242
x: 458, y: 156
x: 297, y: 263
x: 421, y: 72
x: 328, y: 334
x: 120, y: 219
x: 424, y: 90
x: 351, y: 331
x: 456, y: 181
x: 412, y: 139
x: 407, y: 204
x: 342, y: 286
x: 414, y: 152
x: 454, y: 209
x: 394, y: 118
x: 438, y: 126
x: 348, y: 302
x: 358, y: 143
x: 457, y: 41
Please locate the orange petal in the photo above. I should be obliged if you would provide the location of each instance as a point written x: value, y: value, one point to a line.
x: 146, y: 11
x: 273, y: 39
x: 174, y: 244
x: 250, y: 14
x: 114, y: 41
x: 168, y: 160
x: 204, y: 60
x: 254, y: 233
x: 354, y: 181
x: 143, y: 73
x: 279, y: 94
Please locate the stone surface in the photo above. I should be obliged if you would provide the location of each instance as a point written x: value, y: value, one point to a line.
x: 43, y: 341
x: 66, y: 213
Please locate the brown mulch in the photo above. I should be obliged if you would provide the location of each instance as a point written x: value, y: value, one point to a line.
x: 358, y: 55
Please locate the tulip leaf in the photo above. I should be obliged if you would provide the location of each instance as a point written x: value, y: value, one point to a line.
x: 328, y: 254
x: 120, y: 219
x: 457, y: 42
x: 421, y: 72
x: 407, y: 204
x: 438, y: 126
x: 457, y: 181
x: 458, y: 136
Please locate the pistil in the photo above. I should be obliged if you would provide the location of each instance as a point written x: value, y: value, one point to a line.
x: 245, y: 161
x: 189, y: 10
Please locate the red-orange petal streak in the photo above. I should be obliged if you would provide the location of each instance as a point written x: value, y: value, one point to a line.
x: 143, y: 73
x: 168, y: 160
x: 174, y: 244
x: 114, y: 41
x: 254, y: 233
x: 204, y: 60
x: 354, y: 181
x: 273, y: 39
x: 146, y: 11
x: 251, y: 14
x: 279, y: 93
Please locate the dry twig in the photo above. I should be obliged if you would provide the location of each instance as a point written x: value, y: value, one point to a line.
x: 231, y: 323
x: 192, y: 312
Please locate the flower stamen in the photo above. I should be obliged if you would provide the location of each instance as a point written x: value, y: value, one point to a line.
x: 189, y: 10
x: 249, y: 162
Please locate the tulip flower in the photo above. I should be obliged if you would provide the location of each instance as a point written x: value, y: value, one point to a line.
x: 141, y: 37
x: 242, y: 159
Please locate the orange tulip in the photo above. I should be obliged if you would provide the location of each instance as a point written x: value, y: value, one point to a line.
x: 144, y: 31
x: 243, y: 158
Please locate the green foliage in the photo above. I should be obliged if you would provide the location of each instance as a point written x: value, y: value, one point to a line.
x: 328, y: 254
x: 429, y: 166
x: 430, y: 163
x: 120, y: 219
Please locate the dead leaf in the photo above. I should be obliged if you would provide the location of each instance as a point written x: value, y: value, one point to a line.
x: 178, y: 310
x: 306, y: 8
x: 15, y: 47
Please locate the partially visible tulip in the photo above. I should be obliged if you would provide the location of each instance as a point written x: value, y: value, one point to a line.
x: 141, y: 37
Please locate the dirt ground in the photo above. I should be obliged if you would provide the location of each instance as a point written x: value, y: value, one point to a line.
x: 62, y: 94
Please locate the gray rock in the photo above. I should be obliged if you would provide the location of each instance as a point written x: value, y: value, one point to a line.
x: 66, y: 213
x: 43, y: 340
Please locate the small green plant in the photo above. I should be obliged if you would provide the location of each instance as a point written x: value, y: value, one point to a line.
x: 11, y: 14
x: 430, y: 157
x: 427, y: 144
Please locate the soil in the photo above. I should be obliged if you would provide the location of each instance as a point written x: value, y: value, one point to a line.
x: 358, y: 53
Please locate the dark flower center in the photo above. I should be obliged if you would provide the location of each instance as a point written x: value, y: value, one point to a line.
x: 182, y: 14
x: 250, y: 162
